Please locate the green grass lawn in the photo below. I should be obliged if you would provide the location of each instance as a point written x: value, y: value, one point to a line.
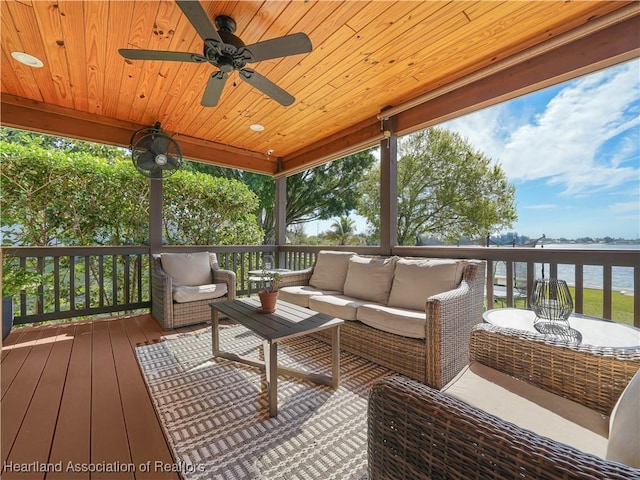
x: 621, y: 305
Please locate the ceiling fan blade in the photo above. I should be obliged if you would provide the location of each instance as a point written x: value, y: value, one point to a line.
x: 146, y: 161
x: 199, y: 19
x: 173, y: 163
x: 266, y: 86
x: 132, y: 54
x: 293, y: 44
x: 214, y: 89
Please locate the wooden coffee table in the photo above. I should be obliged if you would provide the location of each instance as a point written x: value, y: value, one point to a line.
x: 288, y: 321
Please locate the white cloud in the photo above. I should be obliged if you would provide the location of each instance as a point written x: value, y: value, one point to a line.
x: 543, y: 206
x: 566, y: 143
x: 625, y: 207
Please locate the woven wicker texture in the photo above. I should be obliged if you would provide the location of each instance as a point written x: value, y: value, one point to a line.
x: 437, y: 358
x: 215, y: 417
x: 173, y: 315
x: 416, y: 432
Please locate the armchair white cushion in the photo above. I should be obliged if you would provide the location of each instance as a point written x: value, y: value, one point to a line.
x: 185, y: 284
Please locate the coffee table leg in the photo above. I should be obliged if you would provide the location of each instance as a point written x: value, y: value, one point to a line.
x: 271, y: 372
x: 335, y: 357
x: 215, y: 344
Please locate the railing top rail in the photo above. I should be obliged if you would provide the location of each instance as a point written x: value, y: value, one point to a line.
x: 20, y: 252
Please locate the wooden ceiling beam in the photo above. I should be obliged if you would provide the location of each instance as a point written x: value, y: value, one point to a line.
x: 363, y: 135
x: 616, y: 44
x: 41, y: 117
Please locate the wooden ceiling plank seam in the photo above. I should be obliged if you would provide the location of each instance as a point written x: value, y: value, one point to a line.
x: 26, y: 28
x: 321, y: 30
x: 70, y: 12
x: 166, y: 20
x: 196, y: 83
x: 48, y: 19
x: 311, y: 85
x: 470, y: 67
x: 600, y: 50
x: 490, y: 31
x: 168, y: 71
x: 364, y: 90
x: 137, y: 37
x: 10, y: 81
x: 310, y: 63
x: 96, y: 17
x: 118, y: 26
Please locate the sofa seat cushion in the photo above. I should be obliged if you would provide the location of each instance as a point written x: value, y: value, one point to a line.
x: 531, y: 408
x: 414, y: 281
x: 187, y: 293
x: 187, y: 268
x: 330, y: 270
x: 341, y: 306
x: 400, y: 321
x: 370, y: 278
x: 624, y: 428
x: 300, y: 295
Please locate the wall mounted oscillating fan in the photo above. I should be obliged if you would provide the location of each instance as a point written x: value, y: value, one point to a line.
x: 154, y: 153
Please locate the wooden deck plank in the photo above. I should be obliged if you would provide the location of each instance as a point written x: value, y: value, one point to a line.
x: 72, y: 438
x: 16, y: 354
x: 19, y: 394
x: 146, y: 440
x: 34, y: 438
x: 109, y: 441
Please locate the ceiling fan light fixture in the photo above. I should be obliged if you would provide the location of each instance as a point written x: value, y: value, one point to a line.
x: 256, y: 127
x: 27, y: 59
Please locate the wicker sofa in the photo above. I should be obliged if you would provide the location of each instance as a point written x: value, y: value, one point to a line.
x: 183, y: 285
x: 525, y: 407
x: 411, y: 315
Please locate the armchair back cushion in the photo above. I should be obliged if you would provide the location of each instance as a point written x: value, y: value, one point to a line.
x: 189, y: 268
x: 414, y: 281
x: 624, y: 426
x: 330, y: 270
x: 370, y: 278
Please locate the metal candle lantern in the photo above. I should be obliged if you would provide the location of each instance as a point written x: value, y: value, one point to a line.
x: 552, y: 303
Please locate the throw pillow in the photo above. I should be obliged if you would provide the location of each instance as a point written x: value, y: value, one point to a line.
x: 330, y: 270
x: 416, y: 280
x: 369, y: 278
x: 187, y: 268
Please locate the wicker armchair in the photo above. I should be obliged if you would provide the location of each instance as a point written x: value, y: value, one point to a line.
x: 416, y: 432
x: 171, y: 314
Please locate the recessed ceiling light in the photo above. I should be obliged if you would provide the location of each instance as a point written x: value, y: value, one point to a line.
x: 27, y: 59
x: 256, y: 127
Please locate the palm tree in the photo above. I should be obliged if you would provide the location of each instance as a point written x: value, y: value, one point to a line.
x: 343, y: 231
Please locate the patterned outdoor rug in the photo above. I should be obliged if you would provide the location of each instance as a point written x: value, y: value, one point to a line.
x: 214, y: 413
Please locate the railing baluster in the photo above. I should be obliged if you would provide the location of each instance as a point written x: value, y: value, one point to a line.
x: 114, y: 280
x: 72, y: 282
x: 101, y: 280
x: 127, y: 279
x: 87, y: 281
x: 579, y: 289
x: 56, y: 283
x: 606, y: 291
x: 40, y: 302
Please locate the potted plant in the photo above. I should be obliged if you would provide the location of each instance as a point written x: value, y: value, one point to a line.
x: 269, y: 294
x: 14, y: 280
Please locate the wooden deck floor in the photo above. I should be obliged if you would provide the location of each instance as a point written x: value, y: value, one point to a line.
x: 74, y: 394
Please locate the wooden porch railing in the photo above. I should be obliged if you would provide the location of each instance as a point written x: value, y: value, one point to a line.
x: 83, y: 281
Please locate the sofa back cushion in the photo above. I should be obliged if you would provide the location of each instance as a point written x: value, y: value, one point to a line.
x: 188, y: 268
x: 370, y: 278
x: 330, y: 270
x: 624, y: 426
x: 416, y: 280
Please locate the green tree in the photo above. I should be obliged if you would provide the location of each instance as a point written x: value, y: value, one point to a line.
x: 318, y: 193
x: 446, y: 189
x: 74, y: 198
x: 343, y: 231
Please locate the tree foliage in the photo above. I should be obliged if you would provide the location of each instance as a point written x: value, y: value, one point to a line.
x: 318, y: 193
x: 446, y: 189
x: 342, y: 231
x: 56, y: 196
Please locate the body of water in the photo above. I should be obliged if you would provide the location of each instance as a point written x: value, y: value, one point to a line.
x: 621, y: 277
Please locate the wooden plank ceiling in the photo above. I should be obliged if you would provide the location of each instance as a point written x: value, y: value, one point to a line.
x: 367, y: 55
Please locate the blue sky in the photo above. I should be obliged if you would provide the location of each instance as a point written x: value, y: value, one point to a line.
x: 572, y: 151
